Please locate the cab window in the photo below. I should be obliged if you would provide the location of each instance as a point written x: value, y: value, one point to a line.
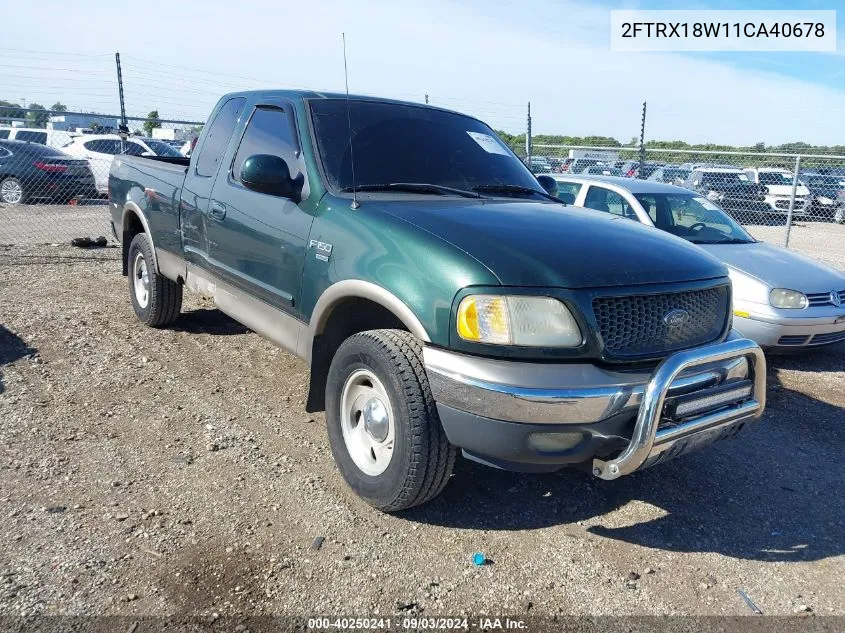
x: 217, y: 138
x: 268, y: 132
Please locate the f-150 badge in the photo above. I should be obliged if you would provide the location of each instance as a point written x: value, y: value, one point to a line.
x: 324, y: 250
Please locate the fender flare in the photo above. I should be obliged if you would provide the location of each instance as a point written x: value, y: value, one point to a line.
x: 358, y: 289
x: 131, y: 208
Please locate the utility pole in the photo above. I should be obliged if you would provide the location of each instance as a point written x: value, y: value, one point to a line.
x: 528, y: 137
x: 124, y: 128
x: 642, y: 142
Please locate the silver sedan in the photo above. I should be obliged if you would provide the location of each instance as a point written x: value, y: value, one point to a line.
x: 780, y: 299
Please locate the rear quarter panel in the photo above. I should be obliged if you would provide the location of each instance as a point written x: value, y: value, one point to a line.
x: 155, y: 187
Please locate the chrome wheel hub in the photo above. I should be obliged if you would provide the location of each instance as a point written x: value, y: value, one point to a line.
x: 366, y: 421
x: 141, y: 280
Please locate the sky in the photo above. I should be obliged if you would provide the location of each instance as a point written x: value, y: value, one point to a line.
x: 487, y: 58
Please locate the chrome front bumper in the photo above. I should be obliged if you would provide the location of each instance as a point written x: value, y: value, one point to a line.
x: 529, y: 399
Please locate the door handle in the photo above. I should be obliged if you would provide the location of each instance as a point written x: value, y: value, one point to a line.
x: 217, y: 211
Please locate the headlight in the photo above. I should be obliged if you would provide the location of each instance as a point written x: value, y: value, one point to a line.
x: 514, y: 320
x: 783, y: 298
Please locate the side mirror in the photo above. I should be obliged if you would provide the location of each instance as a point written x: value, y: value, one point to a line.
x: 270, y: 174
x: 548, y: 183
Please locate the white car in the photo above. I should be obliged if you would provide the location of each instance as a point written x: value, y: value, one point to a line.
x: 780, y: 299
x: 778, y: 182
x: 100, y: 149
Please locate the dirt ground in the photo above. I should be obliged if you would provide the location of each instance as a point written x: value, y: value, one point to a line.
x: 175, y: 472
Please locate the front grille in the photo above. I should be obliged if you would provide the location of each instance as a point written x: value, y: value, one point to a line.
x: 635, y: 325
x: 830, y: 337
x: 823, y: 298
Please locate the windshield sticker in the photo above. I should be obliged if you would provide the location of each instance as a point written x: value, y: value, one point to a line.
x: 488, y: 143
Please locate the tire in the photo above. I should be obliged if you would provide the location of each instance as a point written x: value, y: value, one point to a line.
x: 158, y: 301
x: 420, y: 460
x: 12, y: 191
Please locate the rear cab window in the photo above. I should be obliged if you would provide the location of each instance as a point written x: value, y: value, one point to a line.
x: 219, y: 133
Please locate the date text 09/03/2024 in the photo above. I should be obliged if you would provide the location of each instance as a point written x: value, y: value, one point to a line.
x: 415, y: 623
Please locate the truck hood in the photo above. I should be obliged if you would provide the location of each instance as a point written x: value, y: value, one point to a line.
x: 778, y: 267
x: 528, y: 243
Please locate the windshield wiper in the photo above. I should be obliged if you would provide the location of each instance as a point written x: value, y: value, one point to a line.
x: 414, y: 187
x: 731, y: 241
x: 517, y: 189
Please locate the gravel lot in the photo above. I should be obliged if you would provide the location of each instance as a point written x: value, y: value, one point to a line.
x: 174, y: 472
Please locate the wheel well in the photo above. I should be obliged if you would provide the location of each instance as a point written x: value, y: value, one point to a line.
x: 131, y: 227
x: 350, y: 316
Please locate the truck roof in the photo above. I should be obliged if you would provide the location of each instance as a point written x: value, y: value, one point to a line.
x: 316, y: 94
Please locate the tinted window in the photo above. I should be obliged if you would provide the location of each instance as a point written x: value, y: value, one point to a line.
x: 217, y: 139
x: 133, y: 149
x: 775, y: 178
x: 32, y: 137
x: 162, y: 148
x: 268, y: 132
x: 602, y: 199
x: 4, y: 133
x: 103, y: 146
x: 397, y: 143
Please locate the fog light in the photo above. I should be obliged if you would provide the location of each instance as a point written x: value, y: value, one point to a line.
x: 554, y: 442
x: 691, y: 407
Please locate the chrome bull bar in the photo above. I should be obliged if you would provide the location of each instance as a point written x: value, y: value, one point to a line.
x: 648, y: 442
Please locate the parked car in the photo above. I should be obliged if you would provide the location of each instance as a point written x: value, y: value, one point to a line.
x: 778, y: 183
x: 30, y: 171
x: 670, y: 174
x: 443, y: 299
x: 827, y: 196
x: 636, y: 169
x: 580, y: 164
x: 733, y: 191
x: 603, y: 170
x: 540, y: 165
x: 780, y: 299
x: 100, y: 149
x: 52, y: 138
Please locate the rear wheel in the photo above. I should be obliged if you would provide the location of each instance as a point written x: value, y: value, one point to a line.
x: 383, y: 426
x: 156, y: 300
x: 12, y: 191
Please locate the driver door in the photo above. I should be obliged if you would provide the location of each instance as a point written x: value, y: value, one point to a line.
x: 257, y: 241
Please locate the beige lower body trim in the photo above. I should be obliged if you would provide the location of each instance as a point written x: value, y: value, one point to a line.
x: 271, y: 323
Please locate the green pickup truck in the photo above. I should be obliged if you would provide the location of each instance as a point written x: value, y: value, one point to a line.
x: 442, y: 296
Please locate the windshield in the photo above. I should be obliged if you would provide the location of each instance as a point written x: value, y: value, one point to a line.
x: 395, y: 143
x: 821, y: 181
x: 162, y: 149
x: 776, y: 178
x: 693, y: 218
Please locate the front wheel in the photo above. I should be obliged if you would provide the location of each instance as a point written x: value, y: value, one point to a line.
x: 156, y: 299
x: 12, y: 191
x: 383, y: 426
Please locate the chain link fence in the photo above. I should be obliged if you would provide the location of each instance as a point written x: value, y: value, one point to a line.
x: 794, y: 200
x: 54, y: 175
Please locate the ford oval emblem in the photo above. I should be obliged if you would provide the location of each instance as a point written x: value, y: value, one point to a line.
x: 676, y: 318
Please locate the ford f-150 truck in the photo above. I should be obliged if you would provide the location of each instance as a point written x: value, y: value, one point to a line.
x: 442, y: 296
